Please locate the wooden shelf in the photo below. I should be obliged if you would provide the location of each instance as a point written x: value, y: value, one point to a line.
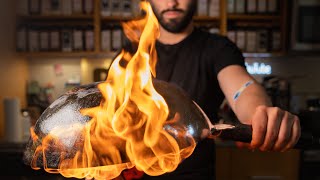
x: 124, y: 18
x: 67, y: 54
x: 55, y: 17
x: 117, y: 18
x: 128, y: 18
x: 67, y: 24
x: 253, y: 17
x: 224, y: 22
x: 206, y: 18
x: 256, y: 24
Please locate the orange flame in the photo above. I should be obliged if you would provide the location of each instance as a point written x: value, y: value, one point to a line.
x: 126, y: 130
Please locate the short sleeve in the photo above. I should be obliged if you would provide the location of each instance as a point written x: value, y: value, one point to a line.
x: 226, y: 53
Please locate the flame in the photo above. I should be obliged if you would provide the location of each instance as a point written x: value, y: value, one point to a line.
x: 126, y: 130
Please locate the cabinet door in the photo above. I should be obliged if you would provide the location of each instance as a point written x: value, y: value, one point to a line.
x: 248, y: 165
x: 223, y: 163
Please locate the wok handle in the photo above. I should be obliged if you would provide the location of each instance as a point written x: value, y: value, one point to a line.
x: 243, y: 133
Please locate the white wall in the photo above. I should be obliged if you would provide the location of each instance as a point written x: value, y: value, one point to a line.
x: 89, y: 65
x: 43, y: 71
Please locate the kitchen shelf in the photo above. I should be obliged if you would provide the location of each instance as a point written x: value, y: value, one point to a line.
x: 67, y: 54
x: 206, y: 18
x: 124, y: 18
x: 261, y: 24
x: 59, y: 24
x: 253, y: 17
x: 223, y: 23
x: 55, y: 17
x: 262, y: 21
x: 117, y: 18
x: 56, y: 20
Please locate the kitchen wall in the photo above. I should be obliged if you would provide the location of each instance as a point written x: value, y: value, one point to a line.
x: 301, y: 71
x: 13, y: 69
x: 88, y: 66
x: 13, y: 78
x: 56, y: 73
x: 64, y: 73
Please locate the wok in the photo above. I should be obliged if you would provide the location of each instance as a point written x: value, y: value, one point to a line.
x: 64, y: 113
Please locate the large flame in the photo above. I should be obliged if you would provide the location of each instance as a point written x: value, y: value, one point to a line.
x: 126, y: 130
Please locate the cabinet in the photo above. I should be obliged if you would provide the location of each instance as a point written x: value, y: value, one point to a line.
x: 262, y: 23
x: 242, y: 164
x: 48, y: 27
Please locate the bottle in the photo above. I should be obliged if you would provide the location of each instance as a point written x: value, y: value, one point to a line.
x: 26, y: 125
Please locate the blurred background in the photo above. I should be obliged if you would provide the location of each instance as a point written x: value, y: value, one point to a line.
x: 50, y: 46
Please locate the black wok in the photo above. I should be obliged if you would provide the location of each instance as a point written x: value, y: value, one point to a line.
x: 64, y: 113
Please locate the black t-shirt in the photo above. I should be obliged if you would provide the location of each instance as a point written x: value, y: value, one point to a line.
x: 193, y: 64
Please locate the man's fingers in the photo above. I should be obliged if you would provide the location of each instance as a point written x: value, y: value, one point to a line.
x: 242, y: 145
x: 259, y: 126
x: 275, y: 116
x: 296, y: 132
x: 284, y: 132
x: 274, y: 129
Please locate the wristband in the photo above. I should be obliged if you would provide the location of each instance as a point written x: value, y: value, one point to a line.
x: 237, y: 94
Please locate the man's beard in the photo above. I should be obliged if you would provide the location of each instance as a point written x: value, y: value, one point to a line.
x: 176, y: 25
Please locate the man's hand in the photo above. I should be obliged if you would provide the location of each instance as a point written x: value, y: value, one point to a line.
x: 274, y: 129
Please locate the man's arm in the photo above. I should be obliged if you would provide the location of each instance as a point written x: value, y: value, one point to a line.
x: 273, y: 128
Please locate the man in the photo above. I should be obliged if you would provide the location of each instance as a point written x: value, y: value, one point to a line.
x: 210, y: 68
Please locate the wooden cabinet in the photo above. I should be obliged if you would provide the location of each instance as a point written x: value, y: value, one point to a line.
x: 86, y: 26
x: 243, y: 164
x: 266, y: 24
x: 248, y: 22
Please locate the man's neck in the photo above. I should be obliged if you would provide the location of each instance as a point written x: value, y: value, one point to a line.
x: 167, y: 37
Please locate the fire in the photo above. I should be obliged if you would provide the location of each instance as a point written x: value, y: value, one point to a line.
x: 126, y: 130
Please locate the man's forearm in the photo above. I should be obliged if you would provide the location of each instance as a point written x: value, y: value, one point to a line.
x: 246, y: 104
